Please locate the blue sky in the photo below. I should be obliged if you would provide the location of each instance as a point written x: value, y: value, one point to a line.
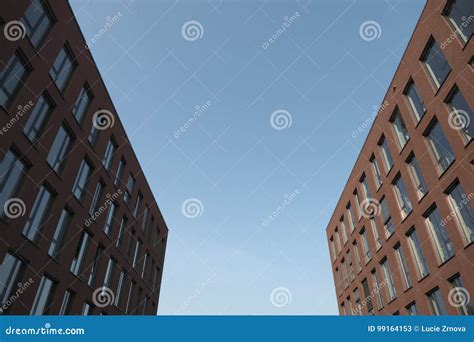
x: 198, y: 111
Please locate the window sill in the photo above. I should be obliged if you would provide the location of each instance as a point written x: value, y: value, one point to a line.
x: 446, y: 261
x: 443, y: 172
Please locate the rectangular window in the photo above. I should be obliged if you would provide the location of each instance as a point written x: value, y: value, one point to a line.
x: 122, y: 231
x: 118, y: 292
x: 60, y: 233
x: 80, y: 255
x: 38, y: 118
x: 357, y: 204
x: 416, y: 101
x: 417, y: 177
x: 145, y: 219
x: 351, y: 266
x: 357, y: 301
x: 386, y: 218
x: 86, y: 309
x: 351, y: 310
x: 377, y: 288
x: 365, y: 187
x: 93, y: 136
x: 375, y: 232
x: 109, y: 272
x: 440, y: 148
x: 59, y: 149
x: 365, y: 246
x: 419, y: 257
x: 436, y: 64
x: 459, y: 291
x: 10, y: 274
x: 392, y: 293
x: 368, y: 297
x: 459, y: 14
x: 12, y: 171
x: 376, y: 170
x: 461, y: 113
x: 403, y: 266
x: 357, y: 257
x: 109, y: 221
x: 387, y: 156
x: 145, y: 261
x: 462, y: 209
x: 118, y: 174
x: 345, y: 275
x: 351, y: 217
x: 44, y: 297
x: 66, y: 303
x: 338, y: 241
x: 136, y: 255
x: 401, y: 194
x: 109, y: 155
x: 62, y: 68
x: 411, y: 309
x: 129, y: 308
x: 82, y: 104
x: 98, y: 255
x: 81, y: 180
x: 99, y: 190
x: 37, y: 21
x: 137, y: 205
x: 38, y: 214
x: 401, y: 131
x: 439, y: 235
x: 11, y: 76
x: 343, y: 231
x: 129, y: 190
x: 436, y: 303
x: 333, y: 249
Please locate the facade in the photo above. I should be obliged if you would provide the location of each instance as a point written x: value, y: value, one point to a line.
x: 80, y: 231
x: 401, y: 236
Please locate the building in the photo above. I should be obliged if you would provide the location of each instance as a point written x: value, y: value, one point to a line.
x: 401, y: 236
x: 80, y: 231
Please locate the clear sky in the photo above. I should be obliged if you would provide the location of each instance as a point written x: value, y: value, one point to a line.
x: 263, y: 190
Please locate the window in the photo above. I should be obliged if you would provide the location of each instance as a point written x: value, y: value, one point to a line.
x: 377, y: 288
x: 66, y: 303
x: 37, y: 21
x: 440, y: 148
x: 118, y: 292
x: 136, y: 256
x: 122, y: 231
x: 81, y: 180
x: 357, y: 301
x: 82, y: 103
x: 351, y: 310
x: 99, y: 190
x: 402, y: 197
x: 343, y: 231
x: 411, y: 309
x: 98, y: 255
x: 439, y: 235
x: 333, y: 249
x: 80, y: 254
x: 436, y: 64
x: 86, y: 309
x: 38, y: 119
x: 137, y: 205
x: 145, y: 261
x: 351, y: 266
x: 351, y: 217
x: 419, y: 257
x: 11, y: 176
x: 345, y: 275
x: 10, y: 274
x: 118, y: 174
x: 109, y: 220
x: 459, y: 14
x: 367, y: 295
x: 387, y: 156
x: 416, y: 102
x: 386, y: 217
x: 93, y: 136
x: 155, y: 280
x: 129, y: 190
x: 403, y: 266
x: 459, y: 291
x: 338, y: 241
x: 357, y: 204
x: 463, y: 211
x: 392, y: 293
x: 38, y: 214
x: 109, y: 154
x: 365, y: 187
x: 109, y: 272
x: 145, y: 218
x: 130, y: 297
x: 461, y: 115
x: 10, y: 78
x: 44, y: 297
x: 365, y: 246
x: 62, y: 68
x: 60, y: 233
x: 376, y: 170
x: 401, y: 131
x: 58, y: 151
x: 357, y: 257
x: 417, y: 177
x: 436, y: 303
